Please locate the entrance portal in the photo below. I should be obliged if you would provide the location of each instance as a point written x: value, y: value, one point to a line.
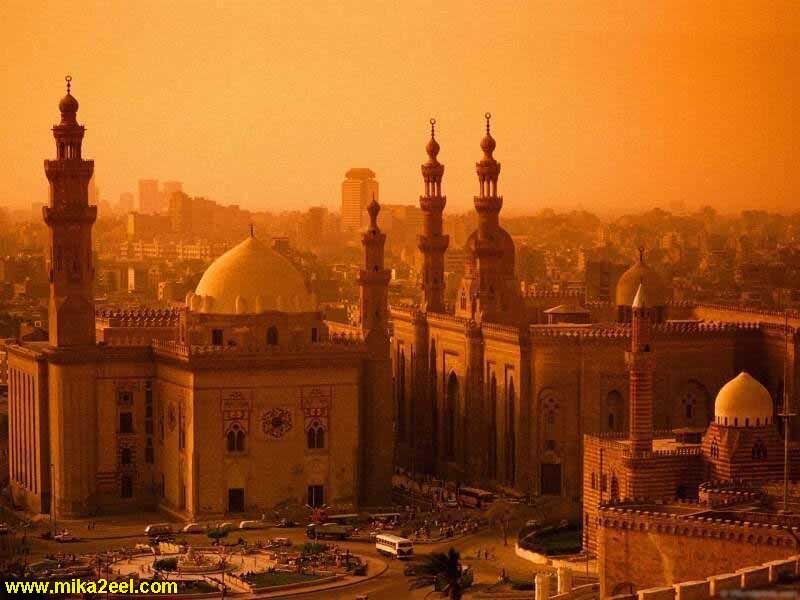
x: 236, y: 500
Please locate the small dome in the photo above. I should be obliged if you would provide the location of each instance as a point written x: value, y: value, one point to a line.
x: 432, y: 148
x: 68, y: 104
x: 488, y: 145
x: 743, y: 402
x: 252, y: 277
x: 640, y: 274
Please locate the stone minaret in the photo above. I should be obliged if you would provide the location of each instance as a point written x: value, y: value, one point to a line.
x: 70, y: 219
x: 489, y: 290
x: 374, y: 278
x: 432, y: 243
x: 641, y: 365
x: 377, y: 452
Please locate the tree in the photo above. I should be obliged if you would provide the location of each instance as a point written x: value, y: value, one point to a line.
x: 500, y: 515
x: 442, y: 571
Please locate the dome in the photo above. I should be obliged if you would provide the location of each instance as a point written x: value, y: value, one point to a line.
x: 743, y: 402
x: 640, y: 274
x: 432, y: 148
x: 488, y: 145
x: 68, y: 104
x: 250, y: 278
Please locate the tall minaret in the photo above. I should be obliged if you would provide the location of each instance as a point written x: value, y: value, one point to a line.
x: 374, y: 278
x: 70, y: 218
x: 432, y: 243
x: 641, y: 365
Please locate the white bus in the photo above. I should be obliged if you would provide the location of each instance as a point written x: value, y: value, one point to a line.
x: 394, y: 546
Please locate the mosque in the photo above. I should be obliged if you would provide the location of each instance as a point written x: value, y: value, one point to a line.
x: 486, y: 393
x: 243, y: 399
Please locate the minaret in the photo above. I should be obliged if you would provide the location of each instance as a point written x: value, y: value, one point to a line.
x: 432, y: 243
x: 70, y: 219
x: 374, y: 278
x: 641, y: 365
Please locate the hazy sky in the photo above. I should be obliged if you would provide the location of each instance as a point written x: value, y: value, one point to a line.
x: 608, y: 105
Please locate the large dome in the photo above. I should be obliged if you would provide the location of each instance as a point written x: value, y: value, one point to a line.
x: 251, y: 277
x: 743, y: 402
x: 641, y: 274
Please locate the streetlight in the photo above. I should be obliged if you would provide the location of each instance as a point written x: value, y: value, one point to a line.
x: 53, y: 497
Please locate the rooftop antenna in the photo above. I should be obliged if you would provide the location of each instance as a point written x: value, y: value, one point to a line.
x: 786, y: 414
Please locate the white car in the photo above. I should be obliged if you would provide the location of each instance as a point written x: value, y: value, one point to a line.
x: 251, y: 525
x: 193, y: 528
x: 65, y: 536
x: 226, y: 526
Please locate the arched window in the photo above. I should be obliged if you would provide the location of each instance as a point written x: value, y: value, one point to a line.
x: 463, y: 301
x: 492, y: 459
x: 759, y: 451
x: 614, y: 488
x: 126, y: 486
x: 126, y: 456
x: 614, y: 407
x: 272, y: 336
x: 235, y: 439
x: 315, y: 436
x: 714, y: 449
x: 450, y: 416
x: 401, y: 396
x: 511, y: 434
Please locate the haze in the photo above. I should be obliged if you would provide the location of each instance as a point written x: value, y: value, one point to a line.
x: 608, y: 106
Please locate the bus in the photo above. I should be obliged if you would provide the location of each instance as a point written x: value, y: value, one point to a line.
x: 316, y: 531
x: 346, y: 519
x: 475, y: 498
x: 394, y: 546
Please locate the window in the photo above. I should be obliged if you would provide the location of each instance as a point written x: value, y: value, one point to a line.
x: 272, y: 336
x: 759, y: 451
x: 148, y: 426
x: 124, y: 398
x: 315, y: 437
x: 314, y: 335
x: 235, y: 439
x: 216, y: 337
x: 126, y: 456
x: 316, y: 496
x: 126, y: 486
x: 594, y: 481
x: 126, y: 422
x: 463, y: 301
x: 149, y: 452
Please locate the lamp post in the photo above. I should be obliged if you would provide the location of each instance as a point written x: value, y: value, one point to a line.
x: 53, y: 497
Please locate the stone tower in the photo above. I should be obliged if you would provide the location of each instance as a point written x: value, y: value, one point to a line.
x: 641, y: 366
x: 70, y: 218
x: 432, y: 243
x: 374, y: 278
x: 72, y: 401
x: 377, y: 452
x: 489, y: 290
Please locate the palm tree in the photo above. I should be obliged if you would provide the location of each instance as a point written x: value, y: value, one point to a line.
x: 443, y: 572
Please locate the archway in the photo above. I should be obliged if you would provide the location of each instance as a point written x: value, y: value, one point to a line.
x: 451, y: 404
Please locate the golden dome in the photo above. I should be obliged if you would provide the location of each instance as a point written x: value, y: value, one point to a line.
x: 743, y: 402
x: 640, y: 274
x: 251, y: 278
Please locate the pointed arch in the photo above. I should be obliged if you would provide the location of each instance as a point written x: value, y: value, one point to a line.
x: 451, y: 410
x: 492, y: 426
x: 511, y: 433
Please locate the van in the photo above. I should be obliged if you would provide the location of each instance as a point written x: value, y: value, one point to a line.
x: 155, y: 529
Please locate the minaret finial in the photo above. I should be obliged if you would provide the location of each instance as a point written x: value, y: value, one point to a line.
x: 641, y: 254
x: 68, y: 79
x: 433, y: 128
x: 373, y: 209
x: 488, y: 117
x: 252, y: 231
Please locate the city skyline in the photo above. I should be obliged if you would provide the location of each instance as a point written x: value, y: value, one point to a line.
x: 607, y: 105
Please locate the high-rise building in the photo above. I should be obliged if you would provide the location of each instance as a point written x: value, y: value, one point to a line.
x: 358, y: 189
x: 149, y: 197
x: 168, y: 189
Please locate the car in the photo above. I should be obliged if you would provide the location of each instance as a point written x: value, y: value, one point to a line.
x: 288, y: 523
x: 451, y: 503
x: 4, y: 529
x: 193, y: 528
x: 282, y: 541
x: 64, y: 537
x: 226, y: 526
x: 252, y: 525
x: 156, y: 529
x: 532, y: 524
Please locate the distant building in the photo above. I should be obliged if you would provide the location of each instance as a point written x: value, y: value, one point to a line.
x: 149, y: 197
x: 126, y: 203
x: 358, y: 188
x: 169, y: 189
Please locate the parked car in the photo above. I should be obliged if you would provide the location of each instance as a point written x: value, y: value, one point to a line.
x: 287, y: 523
x: 226, y: 526
x: 65, y: 536
x: 282, y: 541
x: 4, y: 529
x: 193, y: 528
x: 252, y: 525
x: 156, y: 529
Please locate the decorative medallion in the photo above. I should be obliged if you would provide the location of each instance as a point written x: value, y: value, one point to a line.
x: 276, y: 422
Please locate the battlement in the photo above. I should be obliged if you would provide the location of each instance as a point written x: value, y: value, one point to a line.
x: 339, y: 343
x: 695, y: 524
x: 137, y: 318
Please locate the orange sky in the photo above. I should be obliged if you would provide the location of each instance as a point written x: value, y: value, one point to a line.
x: 608, y: 105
